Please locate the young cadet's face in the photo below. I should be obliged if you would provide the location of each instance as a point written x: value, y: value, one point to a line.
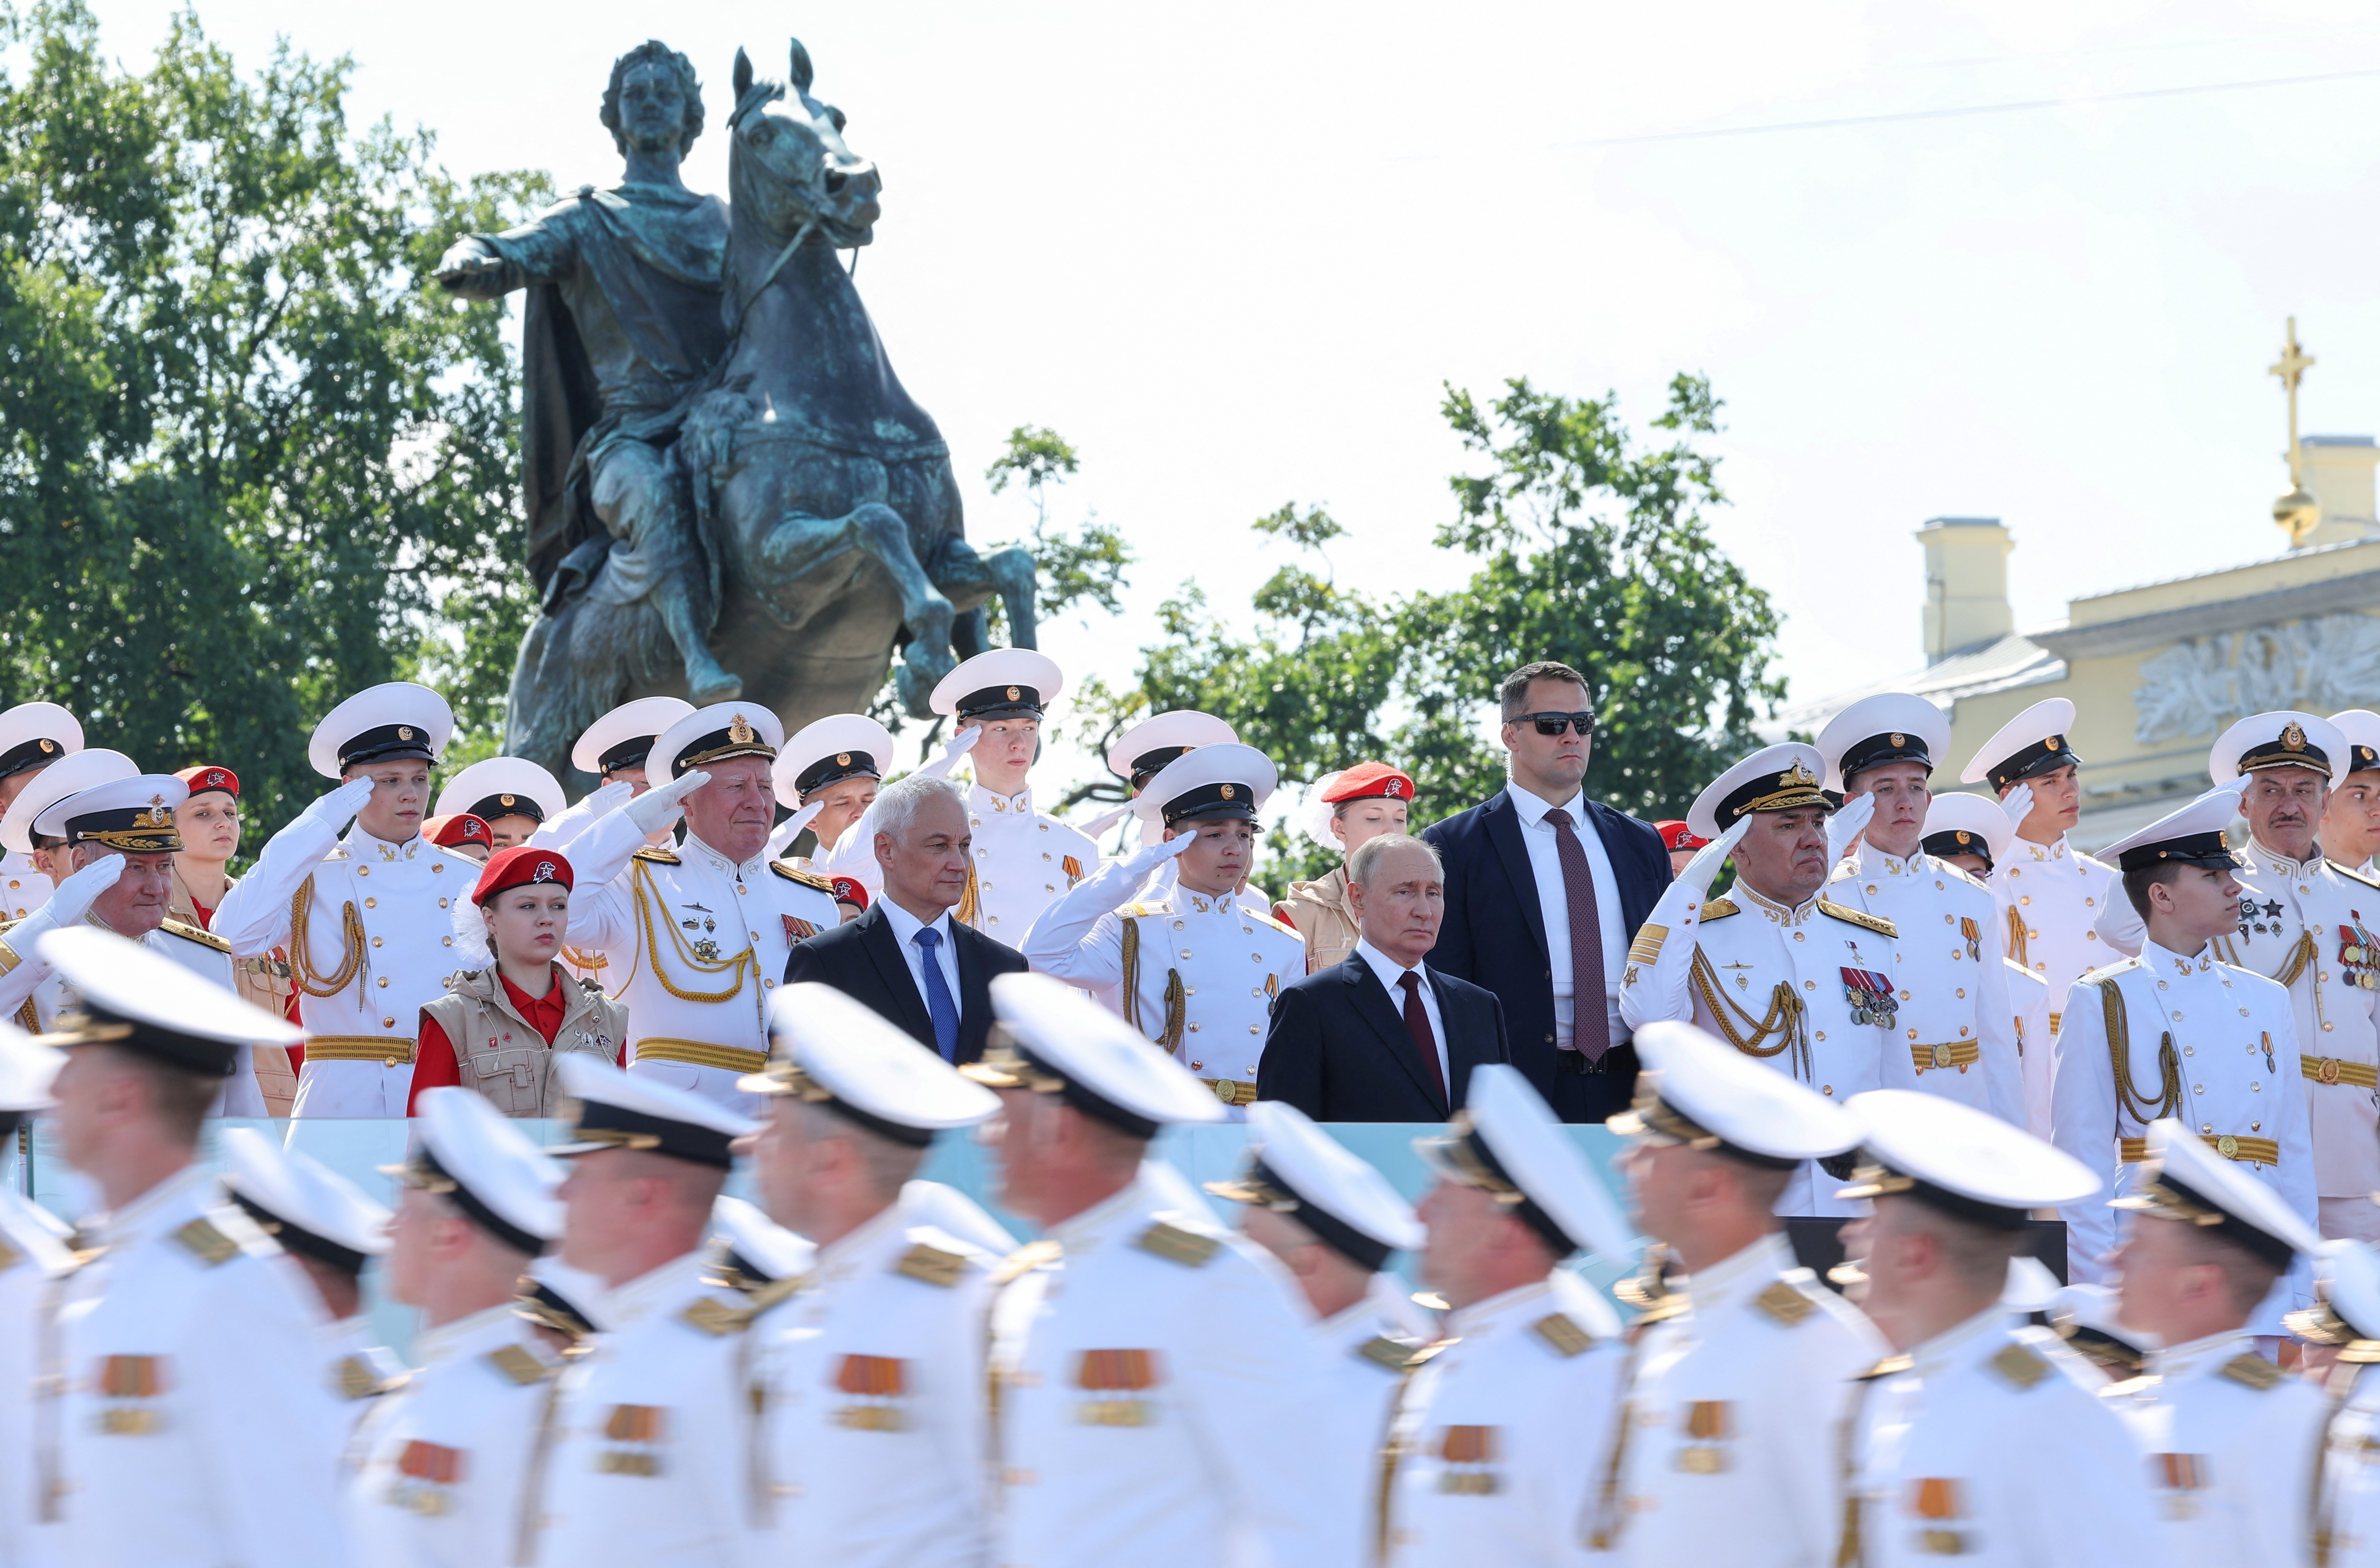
x: 1462, y: 1222
x: 208, y: 824
x: 632, y: 776
x: 842, y: 803
x: 525, y: 924
x: 508, y: 832
x: 2351, y: 824
x: 1902, y: 795
x: 2056, y: 805
x: 2283, y: 806
x: 1218, y: 862
x: 1360, y: 820
x: 2202, y: 901
x: 1004, y: 755
x: 400, y: 798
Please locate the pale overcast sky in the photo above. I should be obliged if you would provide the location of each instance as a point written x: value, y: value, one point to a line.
x: 1233, y: 251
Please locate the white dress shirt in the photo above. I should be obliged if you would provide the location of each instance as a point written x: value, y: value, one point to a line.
x: 905, y: 927
x: 1544, y: 861
x: 1390, y: 974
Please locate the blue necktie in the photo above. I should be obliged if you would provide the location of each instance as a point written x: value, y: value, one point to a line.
x: 944, y: 1011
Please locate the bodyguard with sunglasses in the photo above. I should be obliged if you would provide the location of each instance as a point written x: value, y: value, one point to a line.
x: 1544, y: 889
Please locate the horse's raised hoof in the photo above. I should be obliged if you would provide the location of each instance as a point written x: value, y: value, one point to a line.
x: 717, y: 686
x: 923, y: 665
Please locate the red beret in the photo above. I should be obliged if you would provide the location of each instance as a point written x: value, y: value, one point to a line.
x: 207, y: 776
x: 520, y: 865
x: 847, y: 890
x: 1369, y: 781
x: 1677, y: 835
x: 457, y: 827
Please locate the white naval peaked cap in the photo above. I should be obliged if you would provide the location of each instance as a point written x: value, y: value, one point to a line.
x: 1775, y: 778
x: 757, y: 1249
x: 81, y: 771
x: 2189, y: 835
x: 1297, y: 1169
x: 471, y: 1154
x: 1506, y: 1142
x: 952, y: 1211
x: 1891, y: 726
x: 2029, y: 745
x: 1149, y: 745
x: 999, y: 681
x: 832, y: 1049
x: 34, y: 734
x: 1964, y: 1161
x: 2284, y: 739
x: 1697, y: 1090
x: 622, y: 738
x: 1965, y: 823
x: 501, y: 787
x: 2360, y: 728
x: 611, y: 1108
x: 135, y: 815
x: 1224, y: 780
x: 716, y: 733
x: 2089, y: 1319
x: 2191, y: 1179
x: 396, y: 719
x: 827, y: 751
x: 2031, y: 1286
x: 306, y: 1206
x: 144, y: 1001
x: 26, y: 1070
x: 1059, y: 1042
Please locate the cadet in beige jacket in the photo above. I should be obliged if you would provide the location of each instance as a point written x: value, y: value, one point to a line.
x: 1365, y: 801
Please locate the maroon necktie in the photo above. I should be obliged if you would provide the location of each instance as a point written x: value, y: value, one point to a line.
x: 1590, y: 1009
x: 1417, y: 1026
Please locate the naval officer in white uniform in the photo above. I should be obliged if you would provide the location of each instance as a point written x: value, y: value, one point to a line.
x: 35, y: 1256
x: 32, y: 735
x: 1024, y: 857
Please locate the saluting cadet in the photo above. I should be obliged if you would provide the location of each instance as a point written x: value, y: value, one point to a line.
x: 1497, y: 1435
x: 1363, y: 802
x: 1975, y: 835
x: 2224, y: 1045
x: 2051, y: 895
x: 697, y: 936
x: 652, y: 1434
x: 869, y: 1367
x: 1155, y: 1394
x: 1983, y: 1439
x: 1726, y: 1450
x: 2345, y: 1527
x: 512, y: 794
x: 35, y: 1257
x: 32, y: 735
x: 1956, y: 1023
x: 173, y: 1421
x: 1774, y: 968
x: 2302, y: 922
x: 365, y: 916
x: 1139, y: 754
x: 827, y: 775
x: 2233, y: 1441
x: 1334, y: 1222
x: 444, y: 1481
x: 1024, y: 857
x: 2351, y: 824
x: 1194, y: 967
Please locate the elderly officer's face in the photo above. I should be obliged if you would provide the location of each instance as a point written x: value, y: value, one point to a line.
x: 734, y: 812
x: 400, y: 797
x: 136, y: 905
x: 2283, y: 807
x: 1783, y: 856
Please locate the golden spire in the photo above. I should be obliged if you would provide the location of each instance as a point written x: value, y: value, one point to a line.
x: 2297, y: 512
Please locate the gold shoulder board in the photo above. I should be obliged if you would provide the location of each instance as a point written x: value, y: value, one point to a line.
x: 657, y: 856
x: 198, y: 934
x: 808, y: 879
x: 9, y: 1257
x: 519, y: 1364
x: 1177, y: 1245
x: 1719, y: 909
x: 211, y: 1245
x: 1393, y: 1354
x: 933, y: 1265
x: 768, y: 1295
x: 2254, y: 1370
x: 1558, y: 1330
x: 715, y: 1317
x: 357, y: 1381
x: 2353, y: 875
x: 1785, y: 1304
x: 1024, y: 1260
x: 2020, y: 1366
x: 1876, y: 923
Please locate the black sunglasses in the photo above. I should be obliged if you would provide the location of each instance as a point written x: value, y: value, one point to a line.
x: 1554, y: 724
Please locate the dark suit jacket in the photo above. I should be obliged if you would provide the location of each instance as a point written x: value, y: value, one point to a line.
x: 1495, y: 936
x: 864, y: 960
x: 1339, y: 1051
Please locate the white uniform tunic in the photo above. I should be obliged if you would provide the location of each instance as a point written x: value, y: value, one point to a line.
x: 2052, y: 898
x: 2316, y: 930
x: 22, y: 889
x: 1195, y: 972
x: 873, y: 1373
x: 445, y: 1478
x: 1994, y: 1447
x: 34, y: 1263
x: 1954, y: 1014
x: 2347, y: 1511
x: 1159, y: 1400
x: 1024, y: 859
x: 1499, y: 1434
x: 2232, y: 1443
x: 2229, y: 1076
x: 1731, y: 1453
x: 377, y: 936
x: 696, y: 945
x: 1364, y: 1352
x: 653, y: 1437
x: 187, y: 1432
x: 1777, y: 984
x: 2036, y: 1042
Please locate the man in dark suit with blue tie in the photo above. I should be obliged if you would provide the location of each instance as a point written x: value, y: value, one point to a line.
x: 906, y: 956
x: 1544, y: 889
x: 1381, y: 1036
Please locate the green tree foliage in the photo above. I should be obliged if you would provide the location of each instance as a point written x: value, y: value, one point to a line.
x: 1077, y: 568
x: 250, y: 459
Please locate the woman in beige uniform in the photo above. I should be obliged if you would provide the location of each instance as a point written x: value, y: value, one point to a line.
x: 209, y: 823
x: 1365, y: 801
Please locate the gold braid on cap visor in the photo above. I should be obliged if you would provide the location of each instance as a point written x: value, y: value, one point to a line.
x: 1790, y: 799
x: 2158, y: 1197
x: 1452, y: 1153
x: 1002, y: 1066
x: 135, y: 840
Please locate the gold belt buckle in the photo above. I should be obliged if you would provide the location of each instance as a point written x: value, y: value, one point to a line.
x: 1942, y: 1053
x: 2326, y: 1071
x: 1227, y: 1090
x: 2228, y: 1146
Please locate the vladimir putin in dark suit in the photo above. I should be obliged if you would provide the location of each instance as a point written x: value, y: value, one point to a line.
x: 1382, y: 1037
x: 906, y: 957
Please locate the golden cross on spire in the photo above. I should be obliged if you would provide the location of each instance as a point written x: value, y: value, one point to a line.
x: 2297, y: 512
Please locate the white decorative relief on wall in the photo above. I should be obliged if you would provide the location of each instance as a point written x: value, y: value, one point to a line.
x: 2201, y: 685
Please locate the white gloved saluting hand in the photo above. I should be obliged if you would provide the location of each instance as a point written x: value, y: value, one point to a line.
x: 337, y: 808
x: 958, y: 747
x: 1653, y: 990
x: 658, y: 807
x: 69, y: 904
x: 2018, y: 804
x: 1846, y: 825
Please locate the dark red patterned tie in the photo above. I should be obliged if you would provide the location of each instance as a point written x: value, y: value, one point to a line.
x: 1591, y: 1009
x: 1417, y: 1026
